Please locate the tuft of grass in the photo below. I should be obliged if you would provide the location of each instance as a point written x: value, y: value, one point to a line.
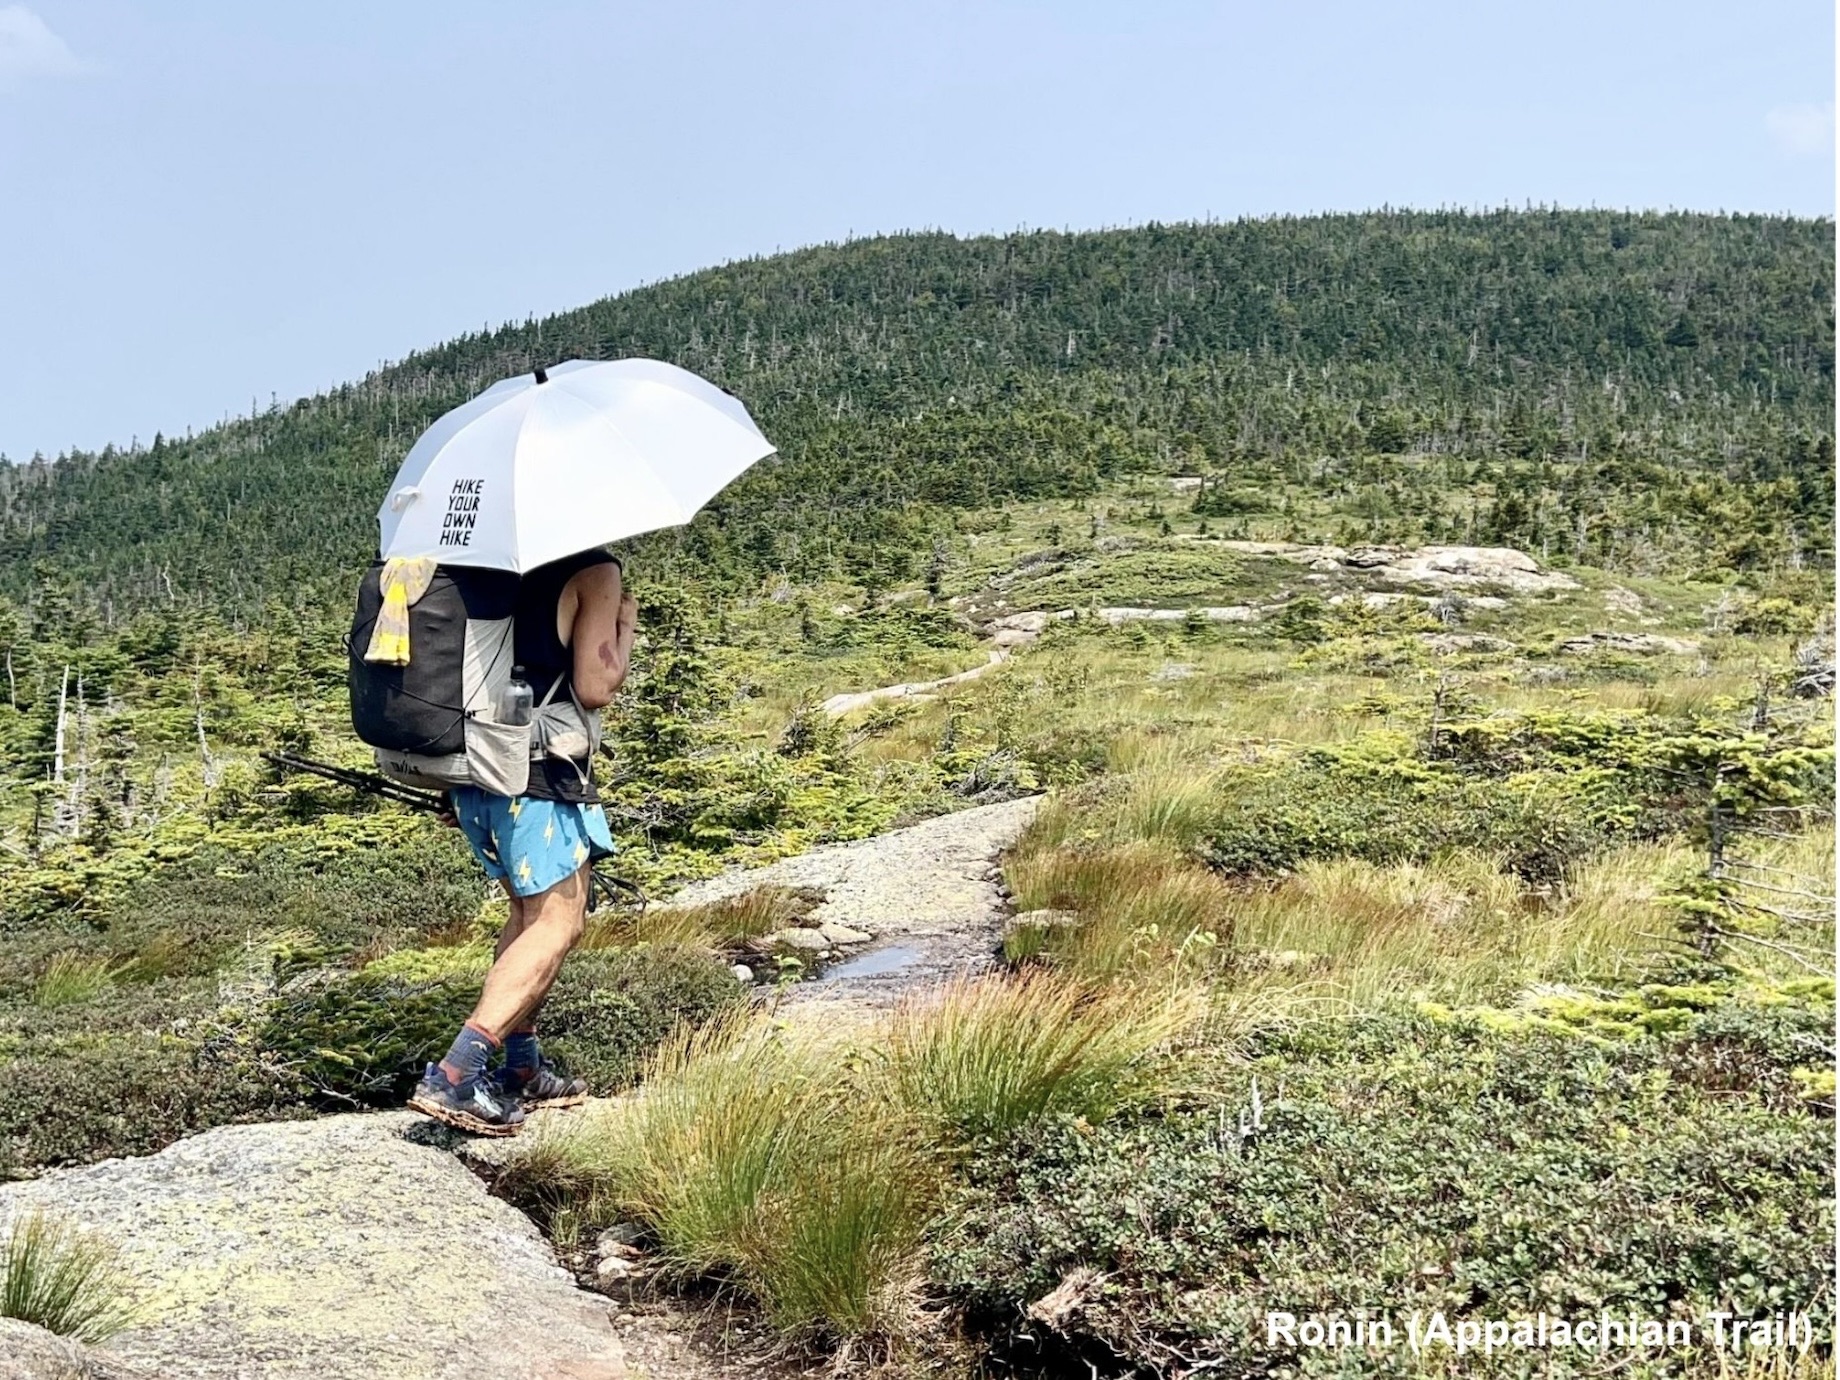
x: 72, y: 978
x: 721, y: 924
x: 1370, y: 932
x: 748, y: 1157
x: 1142, y: 909
x: 63, y: 1280
x: 981, y: 1058
x: 804, y: 1162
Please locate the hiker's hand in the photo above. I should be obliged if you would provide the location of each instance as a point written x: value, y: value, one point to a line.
x: 447, y: 817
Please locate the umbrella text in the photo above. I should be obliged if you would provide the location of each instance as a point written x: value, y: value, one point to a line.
x: 462, y: 512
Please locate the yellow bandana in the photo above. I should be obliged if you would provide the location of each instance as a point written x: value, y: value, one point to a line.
x: 403, y: 581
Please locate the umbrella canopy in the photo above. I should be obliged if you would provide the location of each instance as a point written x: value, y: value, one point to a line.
x: 547, y: 464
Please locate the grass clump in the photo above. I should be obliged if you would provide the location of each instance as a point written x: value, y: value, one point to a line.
x: 981, y: 1059
x: 749, y: 1160
x: 726, y: 923
x: 1140, y: 906
x: 805, y: 1163
x: 63, y: 1280
x: 70, y: 979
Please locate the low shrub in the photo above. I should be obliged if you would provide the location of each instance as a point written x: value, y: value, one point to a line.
x: 361, y: 1038
x: 188, y: 918
x: 1271, y: 819
x: 365, y: 1037
x: 609, y: 1010
x: 1401, y: 1163
x: 63, y: 1280
x: 88, y: 1098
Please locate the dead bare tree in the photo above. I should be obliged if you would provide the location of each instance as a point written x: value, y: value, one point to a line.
x: 57, y: 748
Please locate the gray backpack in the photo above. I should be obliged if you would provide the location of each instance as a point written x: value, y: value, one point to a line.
x: 432, y: 722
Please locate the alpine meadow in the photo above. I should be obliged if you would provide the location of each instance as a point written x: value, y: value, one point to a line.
x: 1386, y: 662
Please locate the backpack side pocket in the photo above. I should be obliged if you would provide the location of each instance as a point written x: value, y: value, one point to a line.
x: 498, y: 756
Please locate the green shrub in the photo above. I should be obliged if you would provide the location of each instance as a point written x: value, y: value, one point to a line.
x: 91, y: 1098
x: 612, y: 1008
x: 1271, y: 819
x: 1404, y: 1163
x: 365, y: 1037
x: 188, y: 918
x: 63, y: 1280
x: 362, y: 1038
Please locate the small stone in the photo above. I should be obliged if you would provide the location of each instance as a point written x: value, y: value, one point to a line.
x: 1641, y: 643
x: 1620, y: 600
x: 614, y: 1267
x: 743, y: 974
x: 843, y: 934
x: 1465, y: 642
x: 1027, y: 920
x: 809, y: 941
x: 619, y: 1234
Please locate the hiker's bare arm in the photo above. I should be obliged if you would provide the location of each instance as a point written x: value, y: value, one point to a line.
x: 602, y: 636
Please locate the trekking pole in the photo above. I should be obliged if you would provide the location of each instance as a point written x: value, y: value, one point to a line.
x: 615, y: 891
x: 368, y: 782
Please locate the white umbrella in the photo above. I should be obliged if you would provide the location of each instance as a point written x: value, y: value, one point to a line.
x: 547, y: 464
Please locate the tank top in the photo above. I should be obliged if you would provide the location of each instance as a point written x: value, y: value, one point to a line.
x: 540, y: 652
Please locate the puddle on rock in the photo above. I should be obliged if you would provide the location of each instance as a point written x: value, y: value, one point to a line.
x: 875, y: 963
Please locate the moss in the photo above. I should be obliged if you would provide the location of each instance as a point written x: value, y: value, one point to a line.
x: 1817, y: 1085
x: 1699, y: 997
x: 463, y: 961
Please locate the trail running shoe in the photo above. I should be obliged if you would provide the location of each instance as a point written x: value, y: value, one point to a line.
x: 475, y: 1105
x: 544, y: 1088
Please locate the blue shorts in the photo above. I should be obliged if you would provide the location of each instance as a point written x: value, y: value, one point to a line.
x: 530, y: 845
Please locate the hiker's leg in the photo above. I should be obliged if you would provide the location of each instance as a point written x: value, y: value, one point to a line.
x: 514, y: 923
x: 526, y: 967
x: 520, y: 1042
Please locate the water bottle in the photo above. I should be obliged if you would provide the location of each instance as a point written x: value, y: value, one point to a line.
x: 515, y: 700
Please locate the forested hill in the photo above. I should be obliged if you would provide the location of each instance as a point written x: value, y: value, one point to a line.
x: 1643, y: 391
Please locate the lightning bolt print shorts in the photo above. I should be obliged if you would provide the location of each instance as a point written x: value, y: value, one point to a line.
x: 529, y: 844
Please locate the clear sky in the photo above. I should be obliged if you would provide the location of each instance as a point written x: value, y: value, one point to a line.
x: 204, y: 203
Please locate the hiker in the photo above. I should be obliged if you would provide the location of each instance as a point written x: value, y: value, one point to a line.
x: 573, y: 633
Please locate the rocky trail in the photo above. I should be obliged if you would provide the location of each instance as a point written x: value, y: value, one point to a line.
x: 903, y: 910
x: 363, y: 1246
x: 1480, y: 578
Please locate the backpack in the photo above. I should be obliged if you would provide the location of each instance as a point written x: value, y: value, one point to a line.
x: 432, y: 722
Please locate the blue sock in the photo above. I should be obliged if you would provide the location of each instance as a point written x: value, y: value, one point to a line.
x: 522, y: 1058
x: 466, y: 1058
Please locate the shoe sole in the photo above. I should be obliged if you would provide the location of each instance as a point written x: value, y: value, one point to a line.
x: 460, y: 1121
